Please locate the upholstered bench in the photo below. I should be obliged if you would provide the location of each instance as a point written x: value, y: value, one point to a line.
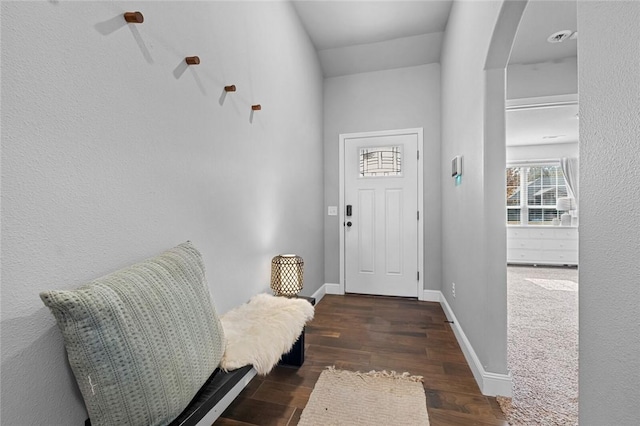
x: 213, y: 397
x: 147, y: 347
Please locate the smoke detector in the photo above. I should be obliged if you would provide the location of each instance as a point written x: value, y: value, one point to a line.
x: 560, y: 36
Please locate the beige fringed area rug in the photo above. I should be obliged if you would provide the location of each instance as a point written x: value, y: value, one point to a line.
x: 375, y: 398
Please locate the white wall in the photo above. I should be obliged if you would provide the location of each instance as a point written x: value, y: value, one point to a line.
x: 384, y: 100
x: 467, y: 247
x: 113, y: 151
x: 609, y: 79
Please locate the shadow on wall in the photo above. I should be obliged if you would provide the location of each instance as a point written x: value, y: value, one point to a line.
x: 41, y: 360
x: 109, y: 26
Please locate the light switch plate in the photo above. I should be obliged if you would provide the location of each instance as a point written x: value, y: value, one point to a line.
x: 332, y: 210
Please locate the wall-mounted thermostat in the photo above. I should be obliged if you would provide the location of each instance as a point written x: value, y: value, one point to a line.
x: 456, y: 166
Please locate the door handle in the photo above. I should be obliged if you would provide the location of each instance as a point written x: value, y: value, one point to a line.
x: 349, y: 224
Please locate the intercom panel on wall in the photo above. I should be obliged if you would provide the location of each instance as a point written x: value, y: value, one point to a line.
x: 456, y: 166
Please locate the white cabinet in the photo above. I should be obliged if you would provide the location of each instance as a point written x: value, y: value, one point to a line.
x: 544, y: 246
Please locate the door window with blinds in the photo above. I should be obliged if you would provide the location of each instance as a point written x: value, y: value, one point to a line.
x: 381, y: 161
x: 532, y: 194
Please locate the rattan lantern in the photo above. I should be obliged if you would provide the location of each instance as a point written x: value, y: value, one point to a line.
x: 286, y: 275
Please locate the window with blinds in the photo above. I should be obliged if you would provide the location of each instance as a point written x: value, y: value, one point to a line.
x: 532, y: 194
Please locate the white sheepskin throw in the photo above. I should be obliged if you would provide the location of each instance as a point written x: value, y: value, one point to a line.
x: 259, y: 332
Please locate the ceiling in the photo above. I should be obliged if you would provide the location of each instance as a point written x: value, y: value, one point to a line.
x: 541, y: 19
x: 354, y: 36
x: 546, y: 121
x: 362, y: 36
x: 549, y: 123
x: 333, y: 24
x: 371, y: 35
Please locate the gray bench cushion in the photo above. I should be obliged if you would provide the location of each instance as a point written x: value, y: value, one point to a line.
x: 143, y: 340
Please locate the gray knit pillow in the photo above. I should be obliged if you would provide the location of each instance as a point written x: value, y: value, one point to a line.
x: 143, y: 340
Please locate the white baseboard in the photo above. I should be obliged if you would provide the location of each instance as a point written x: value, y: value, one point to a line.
x: 431, y: 296
x: 497, y: 384
x: 319, y: 294
x: 490, y: 384
x: 333, y: 288
x: 326, y: 288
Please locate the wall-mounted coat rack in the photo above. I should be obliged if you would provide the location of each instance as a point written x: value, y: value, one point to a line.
x: 192, y: 60
x: 133, y: 17
x: 136, y: 17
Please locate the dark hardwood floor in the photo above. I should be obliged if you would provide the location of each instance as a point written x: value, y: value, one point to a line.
x: 364, y: 333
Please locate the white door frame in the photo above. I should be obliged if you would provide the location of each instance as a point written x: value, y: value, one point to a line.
x: 341, y: 213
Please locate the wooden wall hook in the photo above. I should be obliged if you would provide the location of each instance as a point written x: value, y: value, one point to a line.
x: 192, y: 60
x: 231, y: 88
x: 134, y: 17
x: 256, y: 107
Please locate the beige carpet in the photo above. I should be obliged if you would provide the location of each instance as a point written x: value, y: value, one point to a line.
x: 542, y: 346
x: 375, y: 398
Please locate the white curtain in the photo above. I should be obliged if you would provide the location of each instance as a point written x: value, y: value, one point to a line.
x: 570, y: 171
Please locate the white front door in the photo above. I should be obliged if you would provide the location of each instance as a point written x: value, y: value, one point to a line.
x: 381, y: 214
